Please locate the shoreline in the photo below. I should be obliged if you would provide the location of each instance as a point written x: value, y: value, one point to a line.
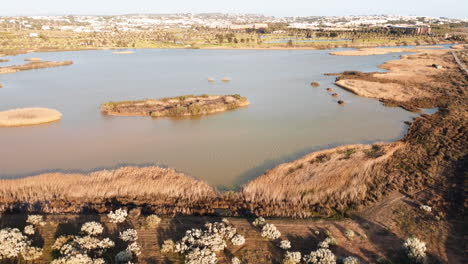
x: 248, y: 202
x: 298, y: 47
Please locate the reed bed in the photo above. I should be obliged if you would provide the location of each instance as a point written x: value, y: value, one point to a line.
x: 334, y: 177
x: 28, y: 116
x: 148, y: 184
x: 34, y: 65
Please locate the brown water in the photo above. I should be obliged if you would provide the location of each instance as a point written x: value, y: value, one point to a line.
x: 286, y: 119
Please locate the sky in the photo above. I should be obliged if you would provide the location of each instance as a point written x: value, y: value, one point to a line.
x: 435, y: 8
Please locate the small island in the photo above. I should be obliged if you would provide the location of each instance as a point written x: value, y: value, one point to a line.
x: 32, y: 65
x: 181, y: 106
x: 28, y: 116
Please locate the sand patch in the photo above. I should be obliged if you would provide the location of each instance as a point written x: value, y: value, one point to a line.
x: 123, y: 52
x: 28, y: 116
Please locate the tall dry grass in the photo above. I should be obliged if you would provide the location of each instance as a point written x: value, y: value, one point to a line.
x: 28, y: 116
x: 335, y: 176
x: 131, y: 183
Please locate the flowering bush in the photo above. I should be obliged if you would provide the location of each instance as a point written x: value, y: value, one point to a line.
x: 200, y: 246
x: 285, y: 244
x: 119, y: 216
x: 327, y: 242
x: 349, y: 234
x: 292, y: 258
x: 32, y: 253
x: 134, y: 248
x: 425, y: 208
x: 270, y: 232
x: 14, y: 244
x: 320, y: 256
x: 259, y: 222
x: 235, y: 260
x: 82, y: 249
x: 29, y: 230
x: 201, y: 256
x: 152, y: 220
x: 129, y: 235
x: 238, y: 240
x: 35, y: 220
x: 350, y: 260
x: 415, y: 249
x: 168, y: 246
x: 92, y: 228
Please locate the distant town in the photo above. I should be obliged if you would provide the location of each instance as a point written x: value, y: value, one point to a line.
x: 149, y: 22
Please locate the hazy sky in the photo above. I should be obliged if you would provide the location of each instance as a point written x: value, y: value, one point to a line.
x: 447, y: 8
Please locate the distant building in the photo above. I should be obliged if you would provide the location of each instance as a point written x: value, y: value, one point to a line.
x: 413, y: 30
x: 45, y: 28
x: 33, y: 35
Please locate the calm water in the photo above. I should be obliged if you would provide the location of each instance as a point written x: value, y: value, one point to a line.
x: 286, y: 119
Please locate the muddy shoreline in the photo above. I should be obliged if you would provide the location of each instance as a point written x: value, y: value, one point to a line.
x: 430, y: 158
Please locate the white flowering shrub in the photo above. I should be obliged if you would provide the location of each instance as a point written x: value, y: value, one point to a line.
x: 238, y: 240
x: 152, y: 220
x: 425, y: 208
x: 285, y: 244
x: 92, y: 228
x: 235, y: 260
x: 320, y: 256
x: 201, y: 256
x: 118, y: 216
x: 415, y: 249
x: 35, y: 220
x: 14, y: 244
x: 29, y: 230
x: 200, y: 246
x: 134, y: 248
x: 168, y: 246
x: 87, y: 248
x: 327, y: 242
x: 292, y: 257
x: 32, y: 253
x: 129, y: 235
x: 259, y: 222
x: 270, y: 232
x: 350, y: 260
x: 349, y: 234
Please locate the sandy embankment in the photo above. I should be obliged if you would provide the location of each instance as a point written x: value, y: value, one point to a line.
x: 123, y: 52
x: 381, y: 51
x: 28, y: 116
x: 34, y: 65
x: 404, y: 80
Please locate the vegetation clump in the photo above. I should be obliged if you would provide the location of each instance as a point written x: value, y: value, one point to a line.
x: 180, y: 106
x: 314, y: 84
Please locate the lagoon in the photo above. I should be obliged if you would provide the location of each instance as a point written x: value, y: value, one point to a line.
x: 286, y: 119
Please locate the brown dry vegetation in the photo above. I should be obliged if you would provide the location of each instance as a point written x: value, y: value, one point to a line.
x: 380, y: 51
x: 187, y: 105
x: 123, y: 52
x: 28, y: 116
x: 405, y: 82
x: 163, y: 190
x: 33, y: 65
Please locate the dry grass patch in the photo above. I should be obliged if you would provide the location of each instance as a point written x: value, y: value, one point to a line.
x: 28, y: 116
x: 335, y: 176
x: 59, y: 192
